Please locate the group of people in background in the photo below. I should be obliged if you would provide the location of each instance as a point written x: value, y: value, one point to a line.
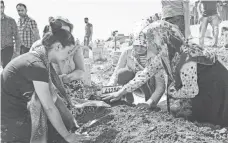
x: 222, y: 10
x: 21, y: 34
x: 18, y: 38
x: 204, y: 12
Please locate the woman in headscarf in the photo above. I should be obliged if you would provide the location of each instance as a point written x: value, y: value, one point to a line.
x: 132, y: 62
x: 194, y: 73
x: 28, y: 78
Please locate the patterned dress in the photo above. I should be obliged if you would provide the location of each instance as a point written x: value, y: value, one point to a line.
x: 191, y: 71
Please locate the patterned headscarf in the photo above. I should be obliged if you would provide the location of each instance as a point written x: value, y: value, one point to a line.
x: 140, y: 40
x: 162, y: 34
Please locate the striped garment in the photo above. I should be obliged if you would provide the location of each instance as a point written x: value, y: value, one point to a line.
x: 143, y: 60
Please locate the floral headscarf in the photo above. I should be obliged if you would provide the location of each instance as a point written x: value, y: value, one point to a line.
x: 140, y: 40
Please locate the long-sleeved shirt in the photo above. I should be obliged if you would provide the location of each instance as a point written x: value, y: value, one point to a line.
x: 9, y: 31
x: 25, y: 30
x: 128, y: 60
x: 158, y: 34
x: 188, y: 72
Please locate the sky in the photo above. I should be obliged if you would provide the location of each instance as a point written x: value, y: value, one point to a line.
x: 105, y: 15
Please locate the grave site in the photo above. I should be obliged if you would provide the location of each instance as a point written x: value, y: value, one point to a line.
x: 125, y: 123
x: 169, y: 122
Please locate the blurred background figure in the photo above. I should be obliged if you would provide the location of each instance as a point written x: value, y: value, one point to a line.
x: 177, y: 12
x: 27, y: 28
x: 208, y: 13
x: 224, y: 10
x: 87, y: 37
x: 9, y: 37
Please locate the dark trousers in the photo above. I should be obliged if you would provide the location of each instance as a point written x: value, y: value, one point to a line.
x: 6, y: 55
x: 24, y: 49
x: 211, y: 104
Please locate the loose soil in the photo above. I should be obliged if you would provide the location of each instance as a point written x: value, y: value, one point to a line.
x: 123, y: 123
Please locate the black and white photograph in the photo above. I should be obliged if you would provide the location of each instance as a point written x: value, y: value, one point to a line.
x: 114, y: 71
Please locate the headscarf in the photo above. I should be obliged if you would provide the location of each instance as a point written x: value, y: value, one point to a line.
x: 140, y: 40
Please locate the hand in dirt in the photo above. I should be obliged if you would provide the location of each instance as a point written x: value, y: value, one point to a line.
x: 112, y: 97
x: 148, y: 105
x: 76, y: 138
x: 143, y: 106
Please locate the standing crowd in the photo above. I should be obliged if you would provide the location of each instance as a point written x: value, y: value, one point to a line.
x: 34, y: 102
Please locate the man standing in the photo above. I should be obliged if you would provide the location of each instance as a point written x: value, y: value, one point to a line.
x: 9, y: 37
x: 88, y: 32
x: 209, y: 14
x: 27, y: 28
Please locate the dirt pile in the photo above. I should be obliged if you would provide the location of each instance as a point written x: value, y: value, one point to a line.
x: 127, y: 124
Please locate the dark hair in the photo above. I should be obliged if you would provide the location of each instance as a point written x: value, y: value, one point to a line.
x: 58, y: 35
x: 2, y: 2
x: 21, y: 4
x: 65, y: 23
x: 86, y: 18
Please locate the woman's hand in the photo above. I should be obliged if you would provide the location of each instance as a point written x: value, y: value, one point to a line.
x: 147, y: 105
x: 75, y: 138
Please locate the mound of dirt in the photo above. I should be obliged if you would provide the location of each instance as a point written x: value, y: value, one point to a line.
x: 127, y: 124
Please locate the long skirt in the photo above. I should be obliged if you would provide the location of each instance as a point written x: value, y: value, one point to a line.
x: 211, y: 103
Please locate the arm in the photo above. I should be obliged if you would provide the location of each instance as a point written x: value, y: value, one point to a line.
x: 78, y: 73
x: 189, y: 81
x: 159, y: 89
x: 91, y: 29
x: 187, y: 18
x: 42, y: 90
x: 199, y: 8
x: 219, y: 8
x: 35, y: 30
x: 142, y: 77
x: 121, y: 64
x: 16, y: 37
x: 38, y: 74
